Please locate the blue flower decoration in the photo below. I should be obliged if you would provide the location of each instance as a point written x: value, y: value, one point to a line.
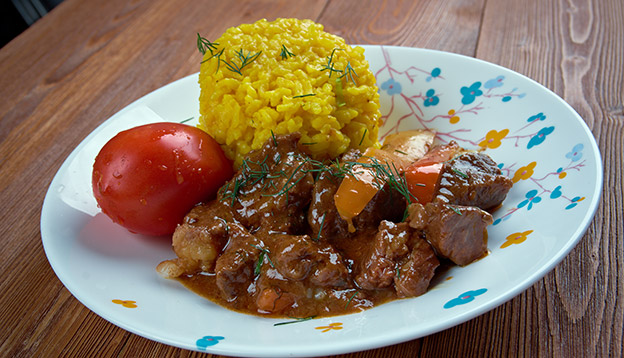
x: 494, y: 82
x: 573, y: 202
x: 576, y: 153
x: 464, y: 298
x: 540, y: 137
x: 531, y: 199
x: 391, y: 86
x: 470, y: 93
x: 207, y: 341
x: 431, y: 99
x: 556, y: 193
x: 499, y: 220
x: 434, y: 73
x: 537, y: 117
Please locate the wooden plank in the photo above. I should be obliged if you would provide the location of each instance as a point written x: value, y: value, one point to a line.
x: 407, y: 23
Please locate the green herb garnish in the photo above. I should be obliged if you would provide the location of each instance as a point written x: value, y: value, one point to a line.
x: 460, y: 173
x: 305, y: 95
x: 330, y: 63
x: 363, y: 135
x: 454, y: 209
x: 186, y: 120
x: 296, y: 320
x: 349, y: 72
x: 285, y: 53
x: 263, y: 253
x: 204, y: 45
x: 245, y: 60
x: 351, y: 299
x: 318, y: 237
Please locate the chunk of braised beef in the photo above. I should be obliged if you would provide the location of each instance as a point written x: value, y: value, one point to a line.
x: 323, y: 216
x: 456, y: 232
x: 387, y: 204
x: 272, y: 187
x: 198, y: 240
x: 473, y: 179
x: 234, y: 269
x: 398, y: 255
x: 416, y: 272
x: 301, y: 258
x: 378, y: 268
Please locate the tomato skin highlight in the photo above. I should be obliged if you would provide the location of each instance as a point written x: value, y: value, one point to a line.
x: 148, y: 177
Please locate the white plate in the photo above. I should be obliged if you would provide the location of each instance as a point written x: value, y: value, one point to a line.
x: 549, y: 208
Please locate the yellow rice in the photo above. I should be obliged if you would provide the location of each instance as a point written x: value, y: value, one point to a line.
x: 279, y: 93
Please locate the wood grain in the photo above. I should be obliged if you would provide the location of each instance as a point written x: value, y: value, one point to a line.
x: 87, y: 60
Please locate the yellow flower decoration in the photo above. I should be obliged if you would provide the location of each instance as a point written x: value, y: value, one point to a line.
x: 516, y: 238
x: 493, y: 138
x: 335, y: 325
x: 454, y: 119
x: 524, y: 173
x: 126, y: 303
x: 562, y: 175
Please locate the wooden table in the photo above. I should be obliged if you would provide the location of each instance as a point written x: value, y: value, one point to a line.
x: 88, y: 59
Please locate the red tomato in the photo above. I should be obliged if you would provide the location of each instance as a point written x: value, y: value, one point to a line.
x: 148, y: 177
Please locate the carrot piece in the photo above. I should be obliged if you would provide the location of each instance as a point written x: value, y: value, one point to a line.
x: 273, y: 300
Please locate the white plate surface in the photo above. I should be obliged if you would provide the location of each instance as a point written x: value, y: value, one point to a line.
x: 537, y: 138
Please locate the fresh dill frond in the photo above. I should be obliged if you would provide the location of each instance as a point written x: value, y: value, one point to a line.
x: 244, y: 59
x: 363, y: 136
x: 349, y: 72
x: 305, y: 95
x: 203, y: 45
x: 286, y: 53
x: 330, y: 63
x: 351, y: 299
x: 295, y: 320
x: 460, y: 173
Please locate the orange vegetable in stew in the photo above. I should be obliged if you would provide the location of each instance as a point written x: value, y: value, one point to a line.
x: 422, y: 177
x: 398, y: 152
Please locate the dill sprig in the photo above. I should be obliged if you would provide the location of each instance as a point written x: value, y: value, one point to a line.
x: 318, y: 237
x: 203, y: 45
x: 285, y: 53
x: 351, y: 299
x: 245, y: 60
x: 305, y: 95
x: 363, y: 136
x: 263, y: 253
x: 330, y: 63
x: 349, y: 72
x: 460, y: 173
x: 454, y: 209
x: 218, y: 56
x: 296, y: 320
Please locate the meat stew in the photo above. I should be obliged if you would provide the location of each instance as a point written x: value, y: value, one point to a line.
x: 274, y: 244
